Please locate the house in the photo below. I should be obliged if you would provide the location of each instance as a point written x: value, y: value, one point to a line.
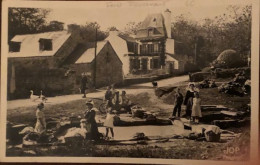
x: 152, y: 49
x: 108, y: 68
x: 121, y: 49
x: 54, y: 61
x: 34, y: 62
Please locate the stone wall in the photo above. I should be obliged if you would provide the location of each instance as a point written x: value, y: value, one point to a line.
x: 35, y: 74
x: 108, y: 68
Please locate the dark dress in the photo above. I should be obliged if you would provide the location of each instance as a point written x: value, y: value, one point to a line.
x: 188, y: 102
x: 90, y: 117
x: 177, y: 105
x: 84, y: 81
x: 108, y: 97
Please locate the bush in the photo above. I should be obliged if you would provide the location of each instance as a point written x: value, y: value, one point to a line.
x: 230, y: 59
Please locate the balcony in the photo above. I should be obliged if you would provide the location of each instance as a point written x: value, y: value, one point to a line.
x: 145, y: 54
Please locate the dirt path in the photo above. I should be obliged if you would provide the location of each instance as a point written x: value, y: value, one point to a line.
x: 133, y: 89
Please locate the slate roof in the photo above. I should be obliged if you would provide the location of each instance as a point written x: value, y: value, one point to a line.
x: 89, y: 55
x: 127, y: 38
x: 30, y: 43
x: 153, y: 20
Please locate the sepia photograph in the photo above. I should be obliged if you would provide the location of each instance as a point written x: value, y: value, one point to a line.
x: 163, y: 81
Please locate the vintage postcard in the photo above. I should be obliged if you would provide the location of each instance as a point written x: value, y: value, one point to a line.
x: 145, y: 82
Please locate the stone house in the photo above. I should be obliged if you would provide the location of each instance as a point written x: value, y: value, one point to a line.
x: 54, y: 61
x: 152, y: 49
x: 109, y: 67
x: 34, y: 63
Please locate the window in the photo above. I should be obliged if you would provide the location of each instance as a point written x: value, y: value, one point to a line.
x: 137, y: 64
x: 151, y: 63
x: 150, y: 32
x: 156, y: 64
x: 143, y: 49
x: 134, y: 64
x: 14, y: 47
x: 144, y: 64
x: 45, y: 44
x: 150, y: 48
x: 136, y: 48
x: 156, y: 48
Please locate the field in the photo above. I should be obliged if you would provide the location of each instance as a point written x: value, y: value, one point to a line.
x: 162, y: 148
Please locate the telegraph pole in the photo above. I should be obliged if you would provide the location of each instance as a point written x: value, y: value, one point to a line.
x: 95, y: 61
x: 195, y: 60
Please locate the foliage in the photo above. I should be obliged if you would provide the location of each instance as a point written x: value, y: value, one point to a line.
x: 131, y: 27
x: 29, y: 21
x: 229, y: 58
x: 25, y: 20
x: 54, y: 26
x: 231, y: 30
x: 88, y: 32
x: 112, y: 28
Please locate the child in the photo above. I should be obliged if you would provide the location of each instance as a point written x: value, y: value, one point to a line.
x: 40, y: 126
x: 109, y: 122
x: 196, y: 110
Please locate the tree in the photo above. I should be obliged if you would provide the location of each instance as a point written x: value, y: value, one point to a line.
x: 26, y: 21
x: 54, y: 26
x: 187, y: 32
x: 231, y: 30
x: 88, y: 32
x: 112, y: 28
x: 132, y: 27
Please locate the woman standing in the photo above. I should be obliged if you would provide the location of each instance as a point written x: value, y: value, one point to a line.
x: 40, y: 126
x: 91, y: 125
x: 116, y: 101
x: 189, y: 99
x: 84, y: 81
x: 196, y: 110
x: 108, y: 97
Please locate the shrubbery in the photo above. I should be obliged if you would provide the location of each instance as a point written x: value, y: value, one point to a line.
x: 230, y: 59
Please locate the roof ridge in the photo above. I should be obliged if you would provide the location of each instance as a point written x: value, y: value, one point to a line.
x: 41, y: 33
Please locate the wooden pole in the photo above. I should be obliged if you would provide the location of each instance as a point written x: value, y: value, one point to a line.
x: 195, y: 60
x: 95, y: 61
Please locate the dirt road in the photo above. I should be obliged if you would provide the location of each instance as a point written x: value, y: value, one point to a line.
x: 133, y: 89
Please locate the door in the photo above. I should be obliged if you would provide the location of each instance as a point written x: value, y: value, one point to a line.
x: 170, y: 67
x: 144, y: 64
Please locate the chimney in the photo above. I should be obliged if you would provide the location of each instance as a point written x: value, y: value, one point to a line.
x: 72, y: 28
x: 167, y: 22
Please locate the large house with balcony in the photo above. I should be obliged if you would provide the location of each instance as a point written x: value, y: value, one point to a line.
x: 151, y: 50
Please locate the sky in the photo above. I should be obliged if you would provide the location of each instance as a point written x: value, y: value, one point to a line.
x: 118, y: 14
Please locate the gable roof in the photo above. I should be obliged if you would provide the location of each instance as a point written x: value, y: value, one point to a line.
x: 89, y: 55
x: 127, y: 38
x: 152, y: 20
x: 30, y: 43
x: 76, y: 53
